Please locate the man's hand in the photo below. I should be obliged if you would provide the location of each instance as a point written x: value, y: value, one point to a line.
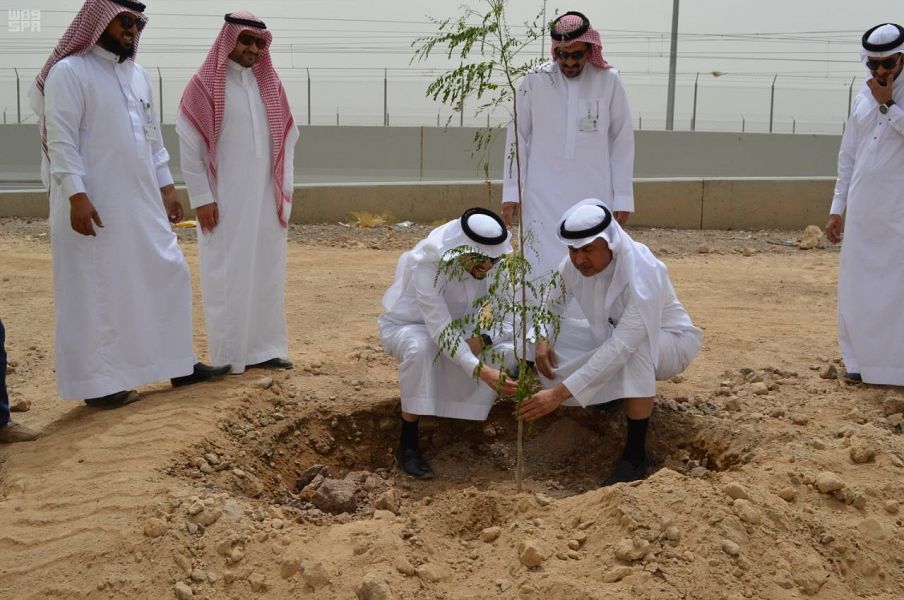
x: 510, y: 213
x: 543, y: 403
x: 545, y: 359
x: 82, y: 214
x: 171, y: 203
x: 208, y: 217
x: 882, y: 93
x: 833, y: 229
x: 621, y: 216
x: 493, y: 378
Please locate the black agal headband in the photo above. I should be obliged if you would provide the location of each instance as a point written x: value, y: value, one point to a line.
x: 239, y: 21
x: 571, y: 35
x: 489, y: 241
x: 136, y: 6
x: 590, y: 231
x: 886, y: 46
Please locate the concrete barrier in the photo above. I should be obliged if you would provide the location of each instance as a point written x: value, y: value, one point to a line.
x: 753, y: 203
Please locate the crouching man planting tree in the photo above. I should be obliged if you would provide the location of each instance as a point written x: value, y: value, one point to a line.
x: 638, y: 331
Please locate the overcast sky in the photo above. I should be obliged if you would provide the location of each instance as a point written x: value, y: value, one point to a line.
x: 346, y: 44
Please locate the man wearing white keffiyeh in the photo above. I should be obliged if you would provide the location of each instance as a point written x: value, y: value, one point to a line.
x: 237, y: 141
x: 121, y: 287
x: 638, y: 331
x: 421, y: 303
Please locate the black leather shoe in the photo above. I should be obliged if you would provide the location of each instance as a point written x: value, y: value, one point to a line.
x: 273, y: 363
x: 853, y: 378
x: 412, y: 462
x: 114, y: 400
x: 201, y: 373
x: 625, y: 472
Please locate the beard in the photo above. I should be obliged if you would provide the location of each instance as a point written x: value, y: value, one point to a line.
x: 111, y: 44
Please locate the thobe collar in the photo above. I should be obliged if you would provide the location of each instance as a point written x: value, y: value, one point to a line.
x: 105, y: 54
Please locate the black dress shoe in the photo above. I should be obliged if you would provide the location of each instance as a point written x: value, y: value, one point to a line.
x: 201, y: 373
x: 853, y: 377
x: 626, y: 472
x: 273, y: 363
x: 114, y: 400
x: 412, y: 462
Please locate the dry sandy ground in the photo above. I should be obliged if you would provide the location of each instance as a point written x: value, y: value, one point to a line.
x: 772, y: 482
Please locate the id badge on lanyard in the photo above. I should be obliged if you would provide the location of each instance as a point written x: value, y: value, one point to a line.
x: 151, y: 130
x: 591, y: 119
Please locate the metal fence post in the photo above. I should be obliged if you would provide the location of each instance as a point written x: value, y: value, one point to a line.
x: 385, y: 98
x: 850, y: 95
x: 772, y: 103
x: 743, y: 123
x: 793, y: 125
x: 309, y: 94
x: 18, y: 99
x: 694, y: 114
x: 160, y: 93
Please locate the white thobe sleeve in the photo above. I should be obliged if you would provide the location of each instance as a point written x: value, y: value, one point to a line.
x: 64, y: 108
x: 193, y: 158
x: 896, y: 118
x: 846, y: 157
x: 510, y: 165
x: 289, y: 163
x: 436, y: 316
x: 161, y: 155
x: 621, y: 150
x: 612, y: 355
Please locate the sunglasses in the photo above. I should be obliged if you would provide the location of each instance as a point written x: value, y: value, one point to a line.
x: 576, y: 55
x: 247, y: 40
x: 128, y: 21
x: 888, y: 63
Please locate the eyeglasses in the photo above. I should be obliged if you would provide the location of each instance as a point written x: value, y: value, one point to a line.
x: 887, y: 64
x: 128, y: 21
x: 576, y: 55
x: 251, y: 39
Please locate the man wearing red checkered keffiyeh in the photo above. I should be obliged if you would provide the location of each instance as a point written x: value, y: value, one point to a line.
x: 575, y: 140
x: 121, y: 286
x: 237, y: 139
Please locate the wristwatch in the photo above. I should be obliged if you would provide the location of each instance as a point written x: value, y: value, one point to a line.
x: 883, y: 108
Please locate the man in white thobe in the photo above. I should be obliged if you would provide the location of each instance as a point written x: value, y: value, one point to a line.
x: 435, y: 284
x: 121, y: 285
x: 870, y: 194
x: 237, y: 139
x: 638, y: 332
x: 575, y: 140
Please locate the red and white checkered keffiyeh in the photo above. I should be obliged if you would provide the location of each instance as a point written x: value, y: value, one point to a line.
x: 569, y: 23
x: 81, y: 36
x: 204, y: 100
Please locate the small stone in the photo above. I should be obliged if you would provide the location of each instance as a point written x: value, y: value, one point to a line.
x: 337, y: 496
x: 207, y: 517
x: 309, y: 474
x: 788, y: 494
x: 183, y: 592
x: 747, y: 251
x: 20, y: 405
x: 374, y: 588
x: 811, y: 239
x: 212, y: 458
x: 433, y: 573
x: 759, y: 388
x: 704, y: 249
x: 747, y: 512
x: 574, y: 545
x: 238, y: 473
x: 616, y: 574
x: 289, y: 566
x: 315, y: 575
x: 830, y: 372
x: 404, y: 566
x: 890, y: 506
x: 730, y: 548
x: 264, y: 382
x: 195, y: 508
x: 872, y: 529
x: 828, y: 482
x: 632, y: 549
x: 530, y: 554
x: 154, y: 528
x: 236, y: 555
x: 673, y: 534
x: 893, y: 403
x: 543, y: 499
x: 863, y: 452
x: 735, y: 490
x: 258, y: 582
x: 388, y: 500
x: 489, y: 431
x: 490, y: 534
x: 800, y: 419
x: 198, y: 575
